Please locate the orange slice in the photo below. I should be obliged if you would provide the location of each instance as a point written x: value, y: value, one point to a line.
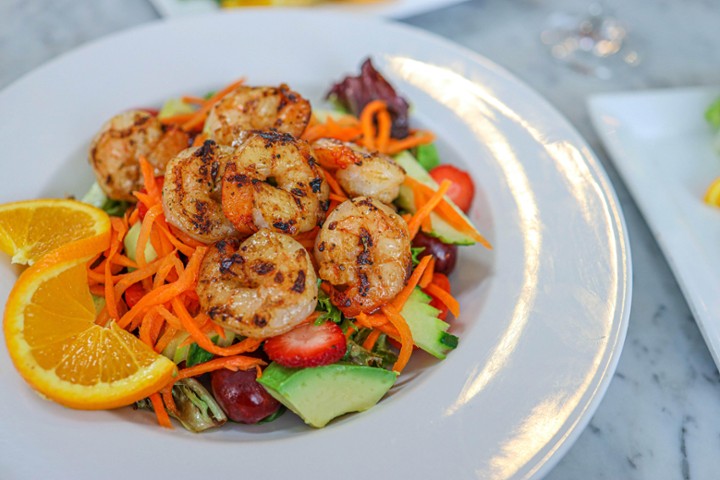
x: 31, y: 229
x: 59, y: 350
x: 712, y: 194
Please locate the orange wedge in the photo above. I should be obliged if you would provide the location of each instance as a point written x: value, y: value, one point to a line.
x: 712, y: 194
x: 31, y: 229
x: 59, y: 350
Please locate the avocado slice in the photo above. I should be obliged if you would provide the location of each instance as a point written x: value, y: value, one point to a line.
x: 319, y: 394
x: 440, y: 228
x: 428, y: 331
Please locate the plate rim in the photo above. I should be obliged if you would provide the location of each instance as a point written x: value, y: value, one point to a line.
x: 623, y: 309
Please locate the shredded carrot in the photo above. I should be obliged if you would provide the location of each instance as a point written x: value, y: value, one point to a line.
x: 337, y: 198
x: 189, y: 324
x: 351, y: 328
x: 151, y: 186
x: 367, y: 122
x: 399, y: 301
x: 427, y: 275
x: 373, y: 130
x: 307, y: 239
x: 397, y: 146
x: 184, y: 238
x: 447, y: 212
x: 406, y: 339
x: 200, y: 115
x: 234, y: 363
x: 193, y: 100
x: 171, y: 319
x: 446, y: 298
x: 145, y: 327
x: 134, y: 216
x: 174, y: 240
x: 167, y: 292
x: 159, y: 242
x: 334, y: 186
x: 144, y: 235
x: 96, y: 277
x: 126, y: 280
x: 347, y: 128
x: 420, y: 200
x: 424, y: 211
x: 372, y: 337
x: 162, y: 416
x: 156, y: 326
x: 165, y: 338
x: 199, y: 140
x: 97, y: 289
x: 122, y: 260
x: 166, y: 394
x: 374, y: 320
x: 110, y: 299
x: 383, y: 130
x: 177, y: 119
x: 219, y: 330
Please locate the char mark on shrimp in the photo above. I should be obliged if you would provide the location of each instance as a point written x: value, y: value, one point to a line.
x: 263, y: 268
x: 227, y: 263
x: 315, y: 184
x: 299, y: 285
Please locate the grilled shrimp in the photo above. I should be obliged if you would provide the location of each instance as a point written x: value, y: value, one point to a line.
x: 257, y: 108
x: 259, y: 288
x: 363, y: 251
x: 359, y: 171
x: 115, y: 150
x: 191, y: 192
x: 273, y: 182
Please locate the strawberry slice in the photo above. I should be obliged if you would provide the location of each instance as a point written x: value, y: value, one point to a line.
x: 308, y: 345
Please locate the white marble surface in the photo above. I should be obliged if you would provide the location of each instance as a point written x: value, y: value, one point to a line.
x: 659, y: 418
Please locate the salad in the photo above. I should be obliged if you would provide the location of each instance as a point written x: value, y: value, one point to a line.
x: 262, y: 254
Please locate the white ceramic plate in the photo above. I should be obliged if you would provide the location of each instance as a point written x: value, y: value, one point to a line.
x: 383, y: 8
x: 544, y: 313
x: 664, y: 149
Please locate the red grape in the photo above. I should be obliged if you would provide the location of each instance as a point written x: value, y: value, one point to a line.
x: 445, y: 254
x: 241, y: 397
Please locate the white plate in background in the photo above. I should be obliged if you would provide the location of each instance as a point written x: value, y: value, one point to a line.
x: 544, y: 314
x: 382, y: 8
x: 665, y: 151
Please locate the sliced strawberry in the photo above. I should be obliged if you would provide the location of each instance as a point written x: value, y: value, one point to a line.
x: 308, y: 345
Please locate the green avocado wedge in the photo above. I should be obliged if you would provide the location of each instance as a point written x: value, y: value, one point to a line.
x: 319, y: 394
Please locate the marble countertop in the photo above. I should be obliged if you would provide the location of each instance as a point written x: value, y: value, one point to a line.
x: 659, y: 417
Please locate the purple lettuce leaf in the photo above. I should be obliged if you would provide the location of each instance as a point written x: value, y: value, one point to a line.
x: 353, y: 93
